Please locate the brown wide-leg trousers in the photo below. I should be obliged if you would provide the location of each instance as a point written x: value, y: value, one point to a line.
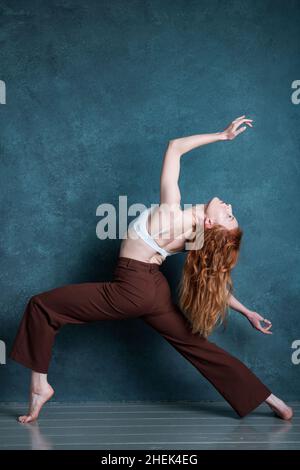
x: 138, y: 290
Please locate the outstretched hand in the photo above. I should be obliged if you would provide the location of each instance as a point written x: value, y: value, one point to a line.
x: 234, y: 128
x: 256, y: 319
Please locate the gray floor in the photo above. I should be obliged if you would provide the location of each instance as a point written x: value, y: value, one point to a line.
x: 147, y: 425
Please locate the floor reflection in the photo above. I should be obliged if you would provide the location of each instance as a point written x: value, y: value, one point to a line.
x: 266, y: 435
x: 38, y: 440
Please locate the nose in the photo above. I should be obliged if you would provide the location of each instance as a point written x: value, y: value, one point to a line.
x: 230, y: 209
x: 227, y: 205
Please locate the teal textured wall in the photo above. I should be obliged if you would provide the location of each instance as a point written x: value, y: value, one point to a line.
x: 95, y: 89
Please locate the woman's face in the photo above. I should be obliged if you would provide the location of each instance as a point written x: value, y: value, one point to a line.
x: 217, y: 211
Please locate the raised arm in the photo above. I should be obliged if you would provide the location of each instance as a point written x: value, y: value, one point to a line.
x: 169, y: 188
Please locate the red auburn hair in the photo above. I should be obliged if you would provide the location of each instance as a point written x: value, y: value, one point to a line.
x: 206, y: 284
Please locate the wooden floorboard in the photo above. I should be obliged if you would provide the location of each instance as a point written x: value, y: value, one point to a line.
x: 147, y: 425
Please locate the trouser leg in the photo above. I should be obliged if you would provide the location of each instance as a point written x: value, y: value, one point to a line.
x: 47, y: 312
x: 240, y: 387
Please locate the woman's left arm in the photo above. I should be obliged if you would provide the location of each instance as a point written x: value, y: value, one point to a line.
x: 169, y: 188
x: 185, y: 144
x: 254, y: 318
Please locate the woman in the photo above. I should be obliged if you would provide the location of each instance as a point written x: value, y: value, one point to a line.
x: 140, y: 290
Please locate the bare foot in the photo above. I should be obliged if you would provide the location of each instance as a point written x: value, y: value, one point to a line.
x: 279, y: 407
x: 38, y: 397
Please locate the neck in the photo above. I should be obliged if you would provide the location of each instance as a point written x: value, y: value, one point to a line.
x: 200, y: 211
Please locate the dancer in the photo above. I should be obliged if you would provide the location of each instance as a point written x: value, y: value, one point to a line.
x: 140, y: 290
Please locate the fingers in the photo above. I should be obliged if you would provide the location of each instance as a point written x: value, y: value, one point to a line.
x: 266, y: 329
x: 240, y: 117
x: 266, y: 321
x: 238, y: 122
x: 239, y: 131
x: 233, y: 130
x: 258, y: 319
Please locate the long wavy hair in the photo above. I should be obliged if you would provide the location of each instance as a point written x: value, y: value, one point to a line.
x: 206, y: 285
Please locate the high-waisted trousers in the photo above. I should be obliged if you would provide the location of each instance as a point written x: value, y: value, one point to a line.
x: 138, y: 290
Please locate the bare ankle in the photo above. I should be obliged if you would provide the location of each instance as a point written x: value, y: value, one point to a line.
x: 38, y: 382
x: 38, y: 389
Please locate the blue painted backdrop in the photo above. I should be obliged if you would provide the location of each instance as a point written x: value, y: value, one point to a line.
x: 95, y: 89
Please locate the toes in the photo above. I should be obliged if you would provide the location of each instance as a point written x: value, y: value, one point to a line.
x: 21, y: 419
x: 286, y: 415
x: 29, y: 419
x: 25, y: 419
x: 35, y: 408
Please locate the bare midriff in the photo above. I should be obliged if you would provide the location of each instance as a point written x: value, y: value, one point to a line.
x: 174, y: 229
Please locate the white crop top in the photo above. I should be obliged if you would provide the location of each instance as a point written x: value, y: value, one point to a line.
x: 139, y: 225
